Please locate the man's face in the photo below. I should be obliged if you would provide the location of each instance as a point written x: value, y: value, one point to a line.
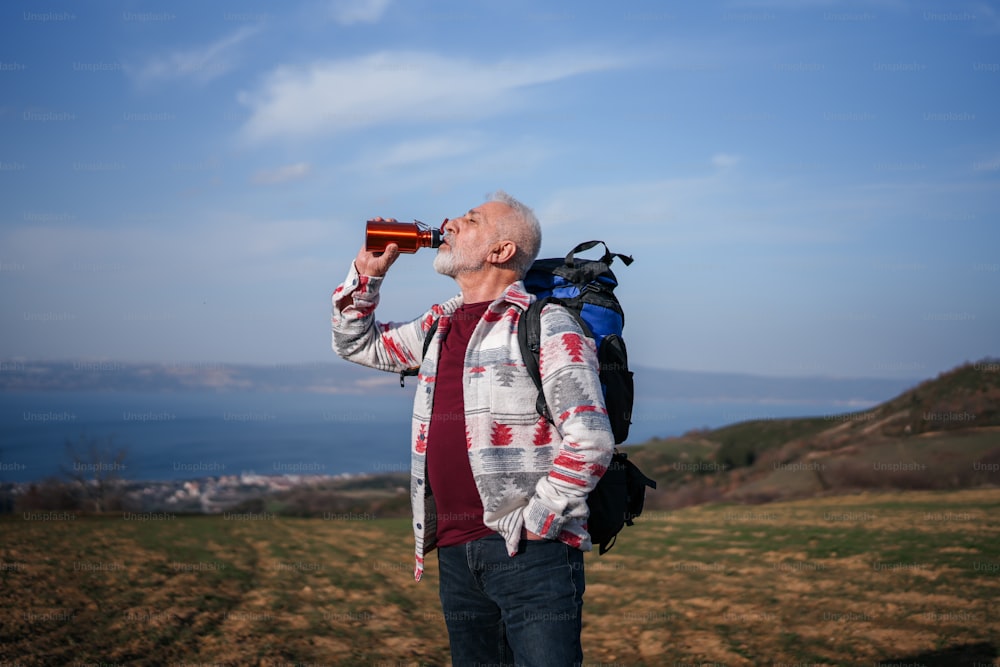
x: 469, y: 239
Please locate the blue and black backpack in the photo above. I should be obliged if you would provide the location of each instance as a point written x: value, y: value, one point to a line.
x: 585, y: 288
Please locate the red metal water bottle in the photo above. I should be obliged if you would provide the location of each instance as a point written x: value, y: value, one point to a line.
x: 409, y: 236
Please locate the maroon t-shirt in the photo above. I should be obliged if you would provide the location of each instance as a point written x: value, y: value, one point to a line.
x: 459, y: 507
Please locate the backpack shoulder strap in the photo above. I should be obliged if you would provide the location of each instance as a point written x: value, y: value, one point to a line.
x: 529, y: 338
x: 430, y: 335
x: 409, y: 372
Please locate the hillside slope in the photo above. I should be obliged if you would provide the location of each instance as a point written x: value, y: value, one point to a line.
x: 943, y: 433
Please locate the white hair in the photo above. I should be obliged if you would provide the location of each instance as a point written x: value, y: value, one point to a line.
x: 522, y: 228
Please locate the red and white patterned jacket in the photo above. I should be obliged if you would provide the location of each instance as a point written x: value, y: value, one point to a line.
x: 530, y: 473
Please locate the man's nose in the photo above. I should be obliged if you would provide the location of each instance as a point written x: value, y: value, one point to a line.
x: 445, y: 228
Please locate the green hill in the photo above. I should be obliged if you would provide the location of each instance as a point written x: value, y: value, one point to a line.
x: 942, y: 434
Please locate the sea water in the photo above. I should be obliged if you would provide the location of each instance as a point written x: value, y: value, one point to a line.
x: 188, y: 435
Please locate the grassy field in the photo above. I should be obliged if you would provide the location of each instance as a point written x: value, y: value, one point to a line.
x: 902, y: 578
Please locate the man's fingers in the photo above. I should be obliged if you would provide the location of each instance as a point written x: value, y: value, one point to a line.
x: 376, y: 263
x: 387, y: 258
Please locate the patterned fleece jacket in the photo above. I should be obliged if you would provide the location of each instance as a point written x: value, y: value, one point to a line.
x: 530, y: 473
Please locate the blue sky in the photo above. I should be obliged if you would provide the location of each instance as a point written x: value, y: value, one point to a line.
x: 808, y: 187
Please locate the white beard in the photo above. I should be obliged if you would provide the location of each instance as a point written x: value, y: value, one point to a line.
x: 453, y: 262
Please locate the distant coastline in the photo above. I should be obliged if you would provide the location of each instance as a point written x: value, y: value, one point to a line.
x: 337, y: 378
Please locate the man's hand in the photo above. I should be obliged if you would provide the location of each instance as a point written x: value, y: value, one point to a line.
x: 532, y: 536
x: 376, y: 263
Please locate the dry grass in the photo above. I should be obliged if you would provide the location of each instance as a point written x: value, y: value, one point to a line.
x: 906, y: 577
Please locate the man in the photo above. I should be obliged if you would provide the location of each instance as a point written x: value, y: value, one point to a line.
x: 498, y: 490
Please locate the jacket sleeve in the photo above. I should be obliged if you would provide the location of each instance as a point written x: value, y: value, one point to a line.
x: 359, y: 338
x: 571, y: 384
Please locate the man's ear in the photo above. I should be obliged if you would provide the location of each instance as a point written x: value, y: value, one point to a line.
x: 502, y: 252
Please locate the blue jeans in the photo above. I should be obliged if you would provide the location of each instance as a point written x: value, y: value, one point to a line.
x: 523, y: 611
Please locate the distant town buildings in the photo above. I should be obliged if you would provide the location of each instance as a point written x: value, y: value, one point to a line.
x: 206, y: 495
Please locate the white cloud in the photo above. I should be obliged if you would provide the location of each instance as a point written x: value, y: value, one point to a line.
x: 202, y: 64
x: 725, y: 160
x: 283, y: 174
x: 430, y: 149
x: 441, y: 164
x: 389, y: 87
x: 988, y: 18
x: 349, y: 12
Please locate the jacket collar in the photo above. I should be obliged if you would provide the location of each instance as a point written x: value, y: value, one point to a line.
x: 517, y: 295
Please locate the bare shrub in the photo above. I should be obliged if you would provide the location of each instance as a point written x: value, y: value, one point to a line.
x: 49, y: 495
x: 688, y: 495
